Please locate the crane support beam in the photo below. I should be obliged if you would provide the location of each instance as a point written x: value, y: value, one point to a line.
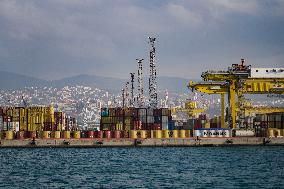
x: 232, y: 102
x: 223, y: 110
x: 264, y: 86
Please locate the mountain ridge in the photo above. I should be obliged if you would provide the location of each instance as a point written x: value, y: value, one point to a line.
x: 18, y: 81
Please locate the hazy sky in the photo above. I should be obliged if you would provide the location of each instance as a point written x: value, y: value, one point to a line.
x: 53, y: 39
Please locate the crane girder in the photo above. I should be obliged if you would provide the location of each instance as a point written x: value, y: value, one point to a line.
x: 209, y: 87
x: 264, y: 86
x: 251, y: 86
x: 262, y: 110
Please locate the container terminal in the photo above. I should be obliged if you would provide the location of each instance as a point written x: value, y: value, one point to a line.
x: 141, y: 123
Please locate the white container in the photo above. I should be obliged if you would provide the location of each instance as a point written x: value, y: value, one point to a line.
x: 165, y: 126
x: 243, y: 133
x: 165, y: 119
x: 143, y: 119
x: 220, y: 133
x: 16, y: 126
x: 198, y: 133
x: 150, y: 119
x: 142, y: 112
x: 215, y: 133
x: 165, y: 111
x: 267, y: 73
x: 150, y: 112
x: 206, y: 133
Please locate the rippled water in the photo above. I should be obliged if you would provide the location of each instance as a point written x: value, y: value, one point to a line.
x: 217, y: 167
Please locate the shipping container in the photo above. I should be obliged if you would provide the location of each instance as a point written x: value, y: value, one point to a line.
x: 112, y: 111
x: 171, y: 125
x: 150, y: 112
x: 150, y: 119
x: 157, y: 112
x: 215, y: 132
x: 119, y: 112
x: 243, y: 133
x: 104, y: 112
x: 142, y: 112
x: 1, y: 123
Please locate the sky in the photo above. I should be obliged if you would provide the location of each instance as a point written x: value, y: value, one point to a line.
x: 54, y: 39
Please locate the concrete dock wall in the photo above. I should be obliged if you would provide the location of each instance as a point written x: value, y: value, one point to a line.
x: 233, y: 141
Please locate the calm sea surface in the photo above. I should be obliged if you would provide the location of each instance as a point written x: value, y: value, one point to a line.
x: 212, y: 167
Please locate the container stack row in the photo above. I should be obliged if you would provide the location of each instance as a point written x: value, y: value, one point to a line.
x: 135, y: 119
x: 133, y: 134
x: 271, y: 124
x: 34, y: 119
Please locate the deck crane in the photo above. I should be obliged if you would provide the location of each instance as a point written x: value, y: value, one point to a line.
x: 241, y: 79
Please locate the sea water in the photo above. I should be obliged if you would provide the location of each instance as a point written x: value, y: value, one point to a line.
x: 172, y: 167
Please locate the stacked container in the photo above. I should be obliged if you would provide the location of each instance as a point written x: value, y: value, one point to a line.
x: 35, y: 118
x: 260, y: 125
x: 59, y: 120
x: 134, y: 118
x: 110, y: 119
x: 48, y: 118
x: 70, y: 123
x: 275, y: 120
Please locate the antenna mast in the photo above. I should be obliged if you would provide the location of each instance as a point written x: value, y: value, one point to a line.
x: 140, y: 84
x: 132, y: 90
x: 126, y: 94
x: 153, y: 75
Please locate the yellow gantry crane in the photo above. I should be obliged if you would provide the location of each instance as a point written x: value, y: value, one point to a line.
x: 190, y: 108
x: 249, y: 109
x: 237, y: 81
x: 212, y: 88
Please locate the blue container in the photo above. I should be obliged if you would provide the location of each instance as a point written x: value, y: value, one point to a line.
x: 171, y: 125
x: 157, y: 119
x: 105, y: 113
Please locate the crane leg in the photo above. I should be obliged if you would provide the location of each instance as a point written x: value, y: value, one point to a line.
x: 232, y: 99
x: 223, y: 110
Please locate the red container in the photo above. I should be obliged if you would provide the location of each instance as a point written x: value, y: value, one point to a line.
x: 197, y: 124
x: 119, y: 112
x: 99, y: 134
x: 137, y: 125
x: 21, y: 135
x: 90, y: 134
x: 107, y: 134
x: 48, y: 126
x: 32, y: 134
x: 213, y: 125
x: 156, y: 126
x: 117, y: 134
x: 202, y: 116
